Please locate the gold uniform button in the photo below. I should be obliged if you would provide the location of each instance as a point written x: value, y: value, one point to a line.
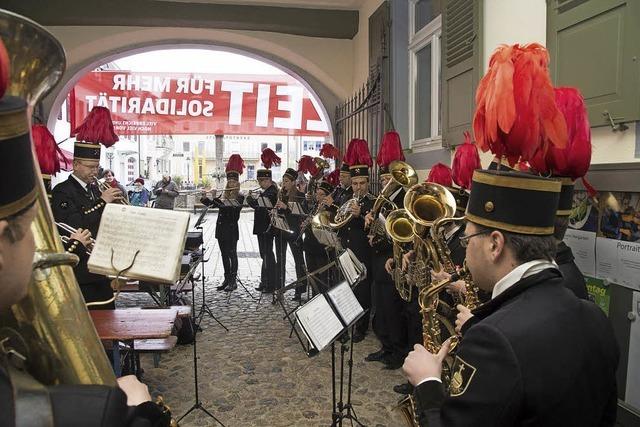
x: 489, y: 207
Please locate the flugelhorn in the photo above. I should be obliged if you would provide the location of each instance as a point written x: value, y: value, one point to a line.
x: 103, y: 186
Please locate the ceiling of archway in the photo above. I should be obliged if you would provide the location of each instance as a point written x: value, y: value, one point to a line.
x: 308, y: 4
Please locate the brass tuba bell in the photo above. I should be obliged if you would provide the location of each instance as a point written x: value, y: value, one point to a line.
x: 62, y: 346
x: 399, y: 226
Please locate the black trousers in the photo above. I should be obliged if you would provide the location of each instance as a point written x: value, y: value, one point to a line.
x: 412, y: 323
x: 268, y: 273
x: 99, y: 290
x: 388, y: 323
x: 282, y: 241
x: 229, y: 252
x: 316, y: 260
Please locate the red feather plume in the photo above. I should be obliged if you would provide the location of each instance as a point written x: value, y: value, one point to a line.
x: 5, y: 67
x: 97, y: 127
x: 333, y: 178
x: 307, y: 164
x: 328, y: 151
x: 465, y: 161
x: 440, y: 174
x: 269, y: 158
x: 516, y: 114
x: 235, y: 164
x: 48, y: 152
x: 390, y: 149
x: 358, y: 153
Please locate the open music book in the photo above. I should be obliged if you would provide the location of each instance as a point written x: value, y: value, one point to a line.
x: 296, y: 208
x: 351, y: 267
x: 281, y: 223
x: 326, y: 316
x: 158, y: 234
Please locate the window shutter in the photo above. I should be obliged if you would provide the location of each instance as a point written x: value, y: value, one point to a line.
x: 461, y: 66
x: 594, y: 46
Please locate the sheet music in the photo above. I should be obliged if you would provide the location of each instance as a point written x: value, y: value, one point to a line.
x: 232, y: 202
x: 281, y: 223
x: 345, y: 302
x: 296, y: 209
x: 348, y: 267
x: 264, y: 202
x: 159, y: 235
x: 319, y: 322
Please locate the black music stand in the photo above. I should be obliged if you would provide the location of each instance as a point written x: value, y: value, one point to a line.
x: 197, y: 404
x: 204, y: 308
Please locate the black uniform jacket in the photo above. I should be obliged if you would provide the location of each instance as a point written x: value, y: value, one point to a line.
x: 261, y: 218
x: 538, y: 356
x: 341, y: 195
x: 83, y: 406
x: 353, y: 234
x: 573, y: 278
x: 228, y: 216
x: 294, y: 221
x: 72, y: 205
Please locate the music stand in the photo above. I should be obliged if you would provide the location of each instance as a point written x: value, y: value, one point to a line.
x: 204, y: 308
x: 197, y: 404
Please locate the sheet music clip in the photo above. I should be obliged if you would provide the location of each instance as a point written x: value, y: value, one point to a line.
x: 119, y: 279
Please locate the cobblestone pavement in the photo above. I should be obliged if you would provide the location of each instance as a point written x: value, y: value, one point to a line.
x: 255, y: 374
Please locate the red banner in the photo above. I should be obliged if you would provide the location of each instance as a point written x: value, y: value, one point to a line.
x: 170, y: 104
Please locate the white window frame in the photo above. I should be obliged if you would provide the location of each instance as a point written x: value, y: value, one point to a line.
x: 429, y: 34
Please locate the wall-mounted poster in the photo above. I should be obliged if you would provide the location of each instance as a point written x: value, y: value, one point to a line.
x: 599, y: 293
x: 584, y: 213
x: 620, y: 216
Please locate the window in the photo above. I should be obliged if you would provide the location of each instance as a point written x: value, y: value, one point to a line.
x: 131, y: 169
x: 278, y: 147
x: 263, y: 146
x: 251, y: 172
x: 201, y: 148
x: 186, y: 147
x: 424, y: 76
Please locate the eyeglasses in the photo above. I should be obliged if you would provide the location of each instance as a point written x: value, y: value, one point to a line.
x: 464, y: 240
x: 92, y: 166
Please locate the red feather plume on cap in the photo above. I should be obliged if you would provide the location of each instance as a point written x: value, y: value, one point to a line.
x: 328, y: 151
x: 333, y: 178
x: 307, y: 164
x: 440, y: 174
x: 269, y: 158
x: 465, y: 161
x: 390, y: 149
x: 97, y: 127
x: 358, y: 153
x: 574, y: 160
x: 48, y: 152
x: 5, y: 67
x: 235, y: 164
x: 516, y: 115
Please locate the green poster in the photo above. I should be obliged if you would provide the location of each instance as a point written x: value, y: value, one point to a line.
x: 599, y: 293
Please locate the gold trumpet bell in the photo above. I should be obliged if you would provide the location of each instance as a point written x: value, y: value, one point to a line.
x: 61, y: 344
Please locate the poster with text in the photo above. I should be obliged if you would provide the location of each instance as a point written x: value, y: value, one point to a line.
x: 599, y: 293
x: 583, y: 246
x: 618, y: 262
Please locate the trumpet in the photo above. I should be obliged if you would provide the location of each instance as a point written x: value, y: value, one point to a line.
x: 103, y: 186
x: 66, y: 239
x: 69, y: 229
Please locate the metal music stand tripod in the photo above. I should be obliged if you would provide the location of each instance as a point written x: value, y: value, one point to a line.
x: 198, y: 403
x: 204, y: 308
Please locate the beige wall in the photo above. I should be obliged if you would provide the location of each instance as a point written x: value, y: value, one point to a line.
x: 524, y: 21
x: 360, y: 53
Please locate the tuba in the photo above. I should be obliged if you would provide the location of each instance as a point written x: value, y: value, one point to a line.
x: 52, y: 322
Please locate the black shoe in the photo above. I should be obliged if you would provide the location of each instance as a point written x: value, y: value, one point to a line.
x: 357, y: 337
x: 223, y: 285
x: 297, y: 297
x: 405, y: 388
x: 266, y: 290
x: 393, y: 364
x: 232, y: 286
x: 377, y: 356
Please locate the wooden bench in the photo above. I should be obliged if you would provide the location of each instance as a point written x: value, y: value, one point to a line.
x: 155, y: 346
